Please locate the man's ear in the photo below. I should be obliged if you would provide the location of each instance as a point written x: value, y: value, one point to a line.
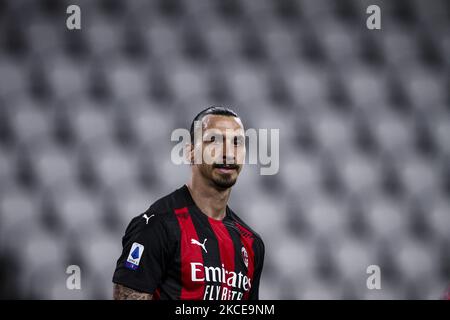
x: 189, y: 152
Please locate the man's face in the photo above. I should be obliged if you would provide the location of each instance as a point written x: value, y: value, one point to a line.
x: 223, y: 149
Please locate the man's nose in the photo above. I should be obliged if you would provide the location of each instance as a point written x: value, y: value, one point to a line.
x: 230, y: 159
x: 228, y: 153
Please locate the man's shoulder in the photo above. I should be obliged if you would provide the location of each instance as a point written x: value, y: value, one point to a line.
x: 245, y: 229
x: 161, y: 211
x: 168, y: 203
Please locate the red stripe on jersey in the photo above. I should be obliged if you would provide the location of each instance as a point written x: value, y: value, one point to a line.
x: 190, y: 290
x: 157, y: 294
x: 247, y: 241
x: 226, y: 248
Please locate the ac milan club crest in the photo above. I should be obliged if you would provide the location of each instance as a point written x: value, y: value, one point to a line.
x: 447, y: 294
x: 244, y: 256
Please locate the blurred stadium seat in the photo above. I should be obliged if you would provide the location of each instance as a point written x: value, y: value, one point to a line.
x: 364, y: 119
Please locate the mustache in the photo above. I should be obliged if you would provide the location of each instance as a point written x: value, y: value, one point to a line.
x: 225, y: 165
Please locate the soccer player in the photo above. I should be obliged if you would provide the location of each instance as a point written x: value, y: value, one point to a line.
x: 190, y: 244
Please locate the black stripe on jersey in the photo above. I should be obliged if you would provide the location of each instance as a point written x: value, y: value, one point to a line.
x: 239, y: 265
x: 172, y: 280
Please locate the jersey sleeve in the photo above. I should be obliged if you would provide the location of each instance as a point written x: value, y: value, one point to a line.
x: 259, y: 263
x: 145, y: 255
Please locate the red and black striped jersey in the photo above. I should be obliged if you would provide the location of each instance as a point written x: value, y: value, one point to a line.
x: 174, y: 251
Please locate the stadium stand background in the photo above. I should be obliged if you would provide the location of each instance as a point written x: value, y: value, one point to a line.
x: 86, y: 118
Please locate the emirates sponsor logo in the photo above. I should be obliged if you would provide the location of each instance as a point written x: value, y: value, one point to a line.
x: 229, y: 280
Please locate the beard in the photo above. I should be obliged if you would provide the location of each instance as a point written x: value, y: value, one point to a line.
x: 220, y: 181
x: 224, y: 182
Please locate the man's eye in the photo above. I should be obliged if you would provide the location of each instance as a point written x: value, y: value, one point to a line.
x: 213, y: 138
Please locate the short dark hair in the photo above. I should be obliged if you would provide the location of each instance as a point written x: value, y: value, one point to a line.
x: 216, y: 110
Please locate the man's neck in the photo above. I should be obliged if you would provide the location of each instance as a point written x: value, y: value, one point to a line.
x: 211, y: 201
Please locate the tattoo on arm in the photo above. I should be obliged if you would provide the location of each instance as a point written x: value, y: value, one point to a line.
x: 124, y: 293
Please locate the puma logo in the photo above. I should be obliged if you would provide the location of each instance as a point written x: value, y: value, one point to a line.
x: 193, y: 241
x: 147, y: 218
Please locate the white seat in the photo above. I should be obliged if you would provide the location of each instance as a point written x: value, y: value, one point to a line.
x: 115, y: 166
x: 393, y: 133
x: 280, y: 44
x: 188, y: 82
x: 301, y: 172
x: 318, y: 289
x: 399, y: 46
x: 441, y: 132
x: 152, y: 125
x: 292, y: 258
x: 417, y: 260
x: 333, y: 132
x: 419, y: 176
x: 339, y: 40
x: 40, y: 258
x: 19, y: 211
x: 7, y: 165
x: 265, y: 214
x: 365, y: 87
x: 79, y: 210
x: 221, y: 39
x: 307, y: 85
x: 31, y: 124
x: 54, y: 167
x: 132, y: 201
x: 101, y: 251
x: 247, y: 83
x: 163, y: 40
x: 360, y: 174
x: 128, y: 81
x: 102, y: 37
x: 353, y: 256
x: 439, y: 218
x: 92, y: 124
x: 326, y: 216
x: 68, y: 79
x: 426, y: 90
x: 386, y: 218
x: 13, y: 79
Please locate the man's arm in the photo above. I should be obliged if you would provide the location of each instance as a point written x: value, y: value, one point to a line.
x: 121, y: 292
